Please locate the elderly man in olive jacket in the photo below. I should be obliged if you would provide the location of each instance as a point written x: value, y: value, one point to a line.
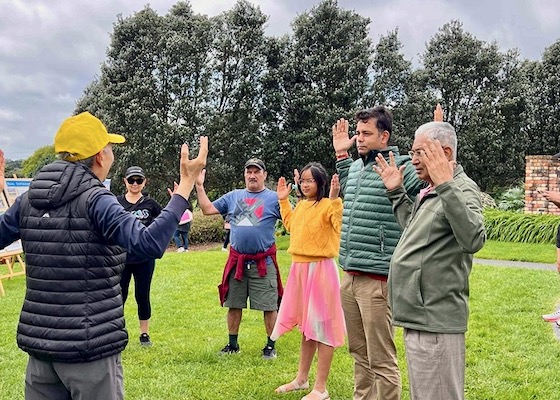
x: 429, y: 274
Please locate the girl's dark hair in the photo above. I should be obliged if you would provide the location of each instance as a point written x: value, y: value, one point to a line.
x: 321, y: 177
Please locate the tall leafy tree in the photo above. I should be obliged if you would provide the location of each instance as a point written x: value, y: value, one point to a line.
x: 272, y: 106
x: 395, y: 85
x: 543, y: 90
x: 135, y: 100
x: 473, y: 79
x: 41, y: 157
x: 238, y: 64
x: 187, y: 54
x: 154, y: 88
x: 325, y: 80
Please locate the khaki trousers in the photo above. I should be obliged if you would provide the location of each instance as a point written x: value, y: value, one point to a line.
x: 370, y: 338
x: 436, y: 365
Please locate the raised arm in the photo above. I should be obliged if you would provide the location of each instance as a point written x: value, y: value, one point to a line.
x: 190, y: 169
x: 553, y: 197
x: 203, y: 201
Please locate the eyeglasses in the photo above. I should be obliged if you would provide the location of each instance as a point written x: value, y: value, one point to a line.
x: 417, y: 153
x: 308, y: 181
x: 132, y: 181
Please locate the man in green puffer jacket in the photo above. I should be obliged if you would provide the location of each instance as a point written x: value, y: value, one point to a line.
x: 429, y: 275
x: 368, y: 238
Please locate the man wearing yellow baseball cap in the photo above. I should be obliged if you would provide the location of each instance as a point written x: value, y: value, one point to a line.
x: 83, y: 136
x: 77, y: 237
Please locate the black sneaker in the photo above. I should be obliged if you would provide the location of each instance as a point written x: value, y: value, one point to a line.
x: 228, y: 349
x: 269, y: 353
x: 145, y: 340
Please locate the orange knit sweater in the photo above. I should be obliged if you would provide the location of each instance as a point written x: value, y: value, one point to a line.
x: 314, y: 228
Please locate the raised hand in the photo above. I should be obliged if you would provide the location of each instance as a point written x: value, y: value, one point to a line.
x: 201, y: 177
x: 299, y: 194
x: 283, y: 189
x: 438, y: 166
x: 192, y: 168
x: 340, y: 136
x: 438, y: 113
x: 175, y: 186
x: 551, y: 196
x: 391, y: 176
x: 335, y: 187
x: 296, y: 176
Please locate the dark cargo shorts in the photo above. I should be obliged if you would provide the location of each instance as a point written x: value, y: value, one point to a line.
x: 261, y: 291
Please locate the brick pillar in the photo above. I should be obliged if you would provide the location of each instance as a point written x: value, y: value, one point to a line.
x: 541, y: 173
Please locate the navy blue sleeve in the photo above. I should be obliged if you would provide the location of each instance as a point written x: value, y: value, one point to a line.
x: 9, y: 224
x: 120, y: 227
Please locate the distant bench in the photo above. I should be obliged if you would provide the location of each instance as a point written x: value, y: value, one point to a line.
x: 10, y: 256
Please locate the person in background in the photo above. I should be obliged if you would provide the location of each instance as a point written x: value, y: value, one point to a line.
x: 181, y: 236
x: 312, y: 295
x: 251, y: 270
x: 554, y: 197
x: 145, y: 209
x: 430, y: 267
x: 77, y: 237
x: 227, y: 228
x: 369, y: 235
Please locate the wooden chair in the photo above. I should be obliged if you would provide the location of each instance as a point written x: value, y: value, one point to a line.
x: 11, y: 258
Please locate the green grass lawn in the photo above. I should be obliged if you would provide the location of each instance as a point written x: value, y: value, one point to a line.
x: 511, y: 353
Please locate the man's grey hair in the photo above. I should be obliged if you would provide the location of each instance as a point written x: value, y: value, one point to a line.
x: 88, y: 162
x: 442, y: 131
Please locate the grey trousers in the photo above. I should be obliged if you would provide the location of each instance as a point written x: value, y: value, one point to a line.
x: 95, y: 380
x: 436, y: 365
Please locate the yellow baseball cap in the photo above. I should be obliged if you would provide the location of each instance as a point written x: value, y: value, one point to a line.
x: 83, y: 136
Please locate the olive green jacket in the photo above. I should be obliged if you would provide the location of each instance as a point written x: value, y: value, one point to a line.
x: 429, y: 276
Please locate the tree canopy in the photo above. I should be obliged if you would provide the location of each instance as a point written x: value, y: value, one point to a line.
x: 170, y: 78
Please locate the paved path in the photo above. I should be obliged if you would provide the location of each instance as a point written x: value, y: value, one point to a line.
x: 517, y: 264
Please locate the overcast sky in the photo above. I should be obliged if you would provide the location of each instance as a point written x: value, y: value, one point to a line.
x: 50, y: 50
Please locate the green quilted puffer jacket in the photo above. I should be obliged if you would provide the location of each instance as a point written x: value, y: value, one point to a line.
x: 369, y: 230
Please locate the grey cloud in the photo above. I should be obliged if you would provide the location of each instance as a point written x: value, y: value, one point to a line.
x: 51, y: 50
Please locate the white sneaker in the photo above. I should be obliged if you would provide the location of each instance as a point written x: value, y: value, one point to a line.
x: 186, y: 250
x: 180, y: 250
x: 224, y: 249
x: 554, y: 317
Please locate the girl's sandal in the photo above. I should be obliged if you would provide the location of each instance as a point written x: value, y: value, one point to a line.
x: 293, y: 385
x: 316, y: 395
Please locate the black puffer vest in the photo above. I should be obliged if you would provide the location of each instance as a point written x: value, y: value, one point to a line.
x: 73, y: 309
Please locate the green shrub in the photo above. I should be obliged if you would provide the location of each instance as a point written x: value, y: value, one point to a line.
x: 512, y: 199
x: 510, y: 226
x: 206, y: 228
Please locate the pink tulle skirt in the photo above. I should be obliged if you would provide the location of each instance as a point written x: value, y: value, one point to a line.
x: 312, y: 302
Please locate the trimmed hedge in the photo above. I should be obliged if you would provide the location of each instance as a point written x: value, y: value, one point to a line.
x: 503, y: 226
x: 508, y: 226
x: 206, y: 228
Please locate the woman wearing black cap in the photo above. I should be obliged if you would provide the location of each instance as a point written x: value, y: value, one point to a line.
x: 146, y: 210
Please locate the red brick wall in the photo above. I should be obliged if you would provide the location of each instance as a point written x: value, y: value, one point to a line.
x: 541, y: 173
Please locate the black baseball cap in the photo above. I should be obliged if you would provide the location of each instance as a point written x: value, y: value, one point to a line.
x: 134, y: 171
x: 255, y: 162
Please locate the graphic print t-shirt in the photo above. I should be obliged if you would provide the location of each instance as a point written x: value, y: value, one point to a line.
x: 252, y: 217
x: 145, y: 210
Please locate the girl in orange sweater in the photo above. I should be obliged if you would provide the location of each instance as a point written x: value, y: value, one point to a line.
x: 312, y: 294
